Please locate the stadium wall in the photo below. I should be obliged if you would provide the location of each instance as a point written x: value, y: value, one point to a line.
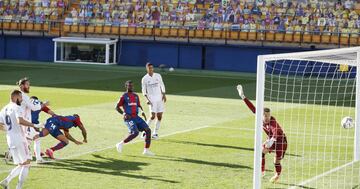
x: 137, y: 53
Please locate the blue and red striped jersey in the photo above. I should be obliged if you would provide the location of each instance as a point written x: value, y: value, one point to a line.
x: 130, y: 103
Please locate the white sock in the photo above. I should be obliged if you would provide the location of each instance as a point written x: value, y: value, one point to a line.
x: 157, y: 127
x: 149, y: 121
x: 14, y: 172
x: 22, y: 177
x: 37, y: 149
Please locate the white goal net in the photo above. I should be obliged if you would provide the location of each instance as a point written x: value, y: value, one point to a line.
x: 309, y: 94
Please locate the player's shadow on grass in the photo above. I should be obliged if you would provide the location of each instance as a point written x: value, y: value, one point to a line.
x: 217, y: 146
x: 197, y: 161
x: 105, y: 165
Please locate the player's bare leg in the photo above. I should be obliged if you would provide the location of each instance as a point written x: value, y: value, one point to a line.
x: 147, y: 143
x: 277, y: 164
x: 264, y: 152
x: 149, y: 122
x: 63, y: 142
x: 157, y: 125
x: 132, y: 135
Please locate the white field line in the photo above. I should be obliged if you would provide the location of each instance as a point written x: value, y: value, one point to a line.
x: 113, y: 146
x: 322, y: 175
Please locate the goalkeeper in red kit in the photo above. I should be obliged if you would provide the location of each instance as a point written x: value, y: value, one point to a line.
x: 276, y: 141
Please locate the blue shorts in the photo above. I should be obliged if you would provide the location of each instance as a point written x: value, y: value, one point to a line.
x: 52, y: 126
x: 136, y: 124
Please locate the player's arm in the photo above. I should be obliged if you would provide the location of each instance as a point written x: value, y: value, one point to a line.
x: 162, y: 87
x: 47, y: 110
x: 83, y: 132
x: 120, y: 110
x: 21, y: 121
x: 2, y: 126
x: 246, y: 100
x: 71, y: 138
x: 141, y: 108
x: 274, y: 128
x: 144, y: 90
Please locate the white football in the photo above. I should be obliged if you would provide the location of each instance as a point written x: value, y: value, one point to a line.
x: 347, y: 122
x: 171, y: 69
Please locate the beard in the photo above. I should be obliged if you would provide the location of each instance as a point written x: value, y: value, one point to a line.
x: 18, y: 102
x: 26, y: 90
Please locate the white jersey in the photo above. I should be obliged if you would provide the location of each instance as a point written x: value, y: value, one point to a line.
x: 153, y: 86
x: 8, y: 116
x: 29, y: 105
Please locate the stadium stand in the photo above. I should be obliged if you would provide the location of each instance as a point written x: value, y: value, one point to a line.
x: 306, y: 21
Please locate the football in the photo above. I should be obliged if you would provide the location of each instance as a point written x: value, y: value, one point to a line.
x: 171, y: 69
x: 347, y: 122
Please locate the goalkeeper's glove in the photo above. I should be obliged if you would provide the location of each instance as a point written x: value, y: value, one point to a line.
x: 241, y: 91
x: 269, y: 142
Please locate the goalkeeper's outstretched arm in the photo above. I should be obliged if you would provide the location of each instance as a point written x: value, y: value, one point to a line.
x: 246, y: 100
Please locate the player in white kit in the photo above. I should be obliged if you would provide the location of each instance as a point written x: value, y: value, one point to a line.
x: 153, y: 89
x: 27, y: 106
x: 12, y: 121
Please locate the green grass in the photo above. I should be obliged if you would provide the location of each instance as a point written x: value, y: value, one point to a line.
x: 206, y: 137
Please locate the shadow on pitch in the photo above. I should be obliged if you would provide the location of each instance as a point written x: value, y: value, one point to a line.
x: 197, y: 161
x: 297, y: 186
x: 104, y: 165
x: 217, y: 146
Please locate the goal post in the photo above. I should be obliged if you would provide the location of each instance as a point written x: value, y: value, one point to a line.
x: 308, y: 93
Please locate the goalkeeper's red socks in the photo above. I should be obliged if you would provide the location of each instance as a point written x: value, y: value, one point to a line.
x: 278, y: 168
x: 263, y: 163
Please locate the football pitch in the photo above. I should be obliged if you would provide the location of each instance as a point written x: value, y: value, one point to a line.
x: 206, y: 138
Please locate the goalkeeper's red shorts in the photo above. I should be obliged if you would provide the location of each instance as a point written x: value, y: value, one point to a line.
x: 279, y: 147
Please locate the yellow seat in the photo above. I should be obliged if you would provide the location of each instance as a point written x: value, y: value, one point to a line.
x: 191, y: 33
x: 82, y: 29
x: 123, y: 30
x: 344, y: 40
x: 174, y: 32
x: 115, y: 30
x: 208, y: 34
x: 14, y: 25
x: 6, y: 25
x: 199, y: 33
x: 182, y: 32
x: 279, y: 37
x: 316, y: 38
x: 269, y: 36
x: 139, y: 31
x: 22, y: 25
x: 216, y: 34
x: 90, y: 29
x: 29, y: 26
x: 99, y: 29
x: 288, y: 37
x: 157, y: 32
x: 244, y: 36
x: 74, y: 28
x: 38, y: 27
x: 234, y: 35
x: 165, y: 32
x: 334, y: 39
x: 148, y: 31
x: 107, y: 29
x: 354, y: 40
x: 260, y: 36
x: 306, y: 38
x: 297, y: 38
x: 252, y: 36
x: 131, y: 30
x: 66, y: 28
x: 325, y: 39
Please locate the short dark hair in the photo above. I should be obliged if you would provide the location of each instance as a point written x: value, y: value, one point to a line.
x: 22, y: 81
x: 149, y: 64
x: 34, y: 97
x: 128, y: 82
x: 267, y: 110
x: 15, y: 93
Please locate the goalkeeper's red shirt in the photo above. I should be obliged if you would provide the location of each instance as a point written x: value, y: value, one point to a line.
x: 272, y: 129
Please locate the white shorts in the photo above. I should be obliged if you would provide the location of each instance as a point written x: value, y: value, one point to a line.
x: 20, y: 153
x: 157, y: 107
